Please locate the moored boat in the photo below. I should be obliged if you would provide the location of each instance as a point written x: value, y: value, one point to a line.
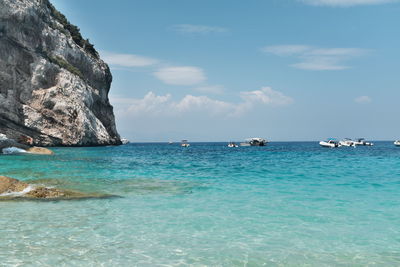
x: 124, y: 141
x: 185, y: 143
x: 362, y: 142
x: 397, y: 143
x: 347, y: 142
x: 332, y: 142
x: 255, y: 141
x: 232, y: 144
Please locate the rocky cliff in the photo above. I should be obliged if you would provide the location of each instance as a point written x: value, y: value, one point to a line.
x: 53, y: 85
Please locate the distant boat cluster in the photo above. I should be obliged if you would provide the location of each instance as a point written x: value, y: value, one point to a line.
x: 333, y: 142
x: 257, y: 141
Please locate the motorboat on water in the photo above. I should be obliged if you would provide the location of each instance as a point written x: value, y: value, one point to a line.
x: 124, y: 141
x: 332, y: 142
x: 255, y: 141
x: 397, y: 143
x: 232, y: 144
x: 185, y: 143
x: 362, y: 142
x: 347, y: 142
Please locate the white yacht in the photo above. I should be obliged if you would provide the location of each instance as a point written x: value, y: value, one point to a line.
x: 124, y: 141
x: 347, y: 142
x: 255, y: 141
x: 185, y: 143
x: 330, y: 143
x: 362, y: 142
x: 397, y: 143
x: 232, y: 144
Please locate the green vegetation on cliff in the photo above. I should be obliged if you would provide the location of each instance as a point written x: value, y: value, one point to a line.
x: 73, y: 30
x: 65, y: 65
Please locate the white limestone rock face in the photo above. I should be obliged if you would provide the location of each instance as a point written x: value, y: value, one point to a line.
x: 53, y: 85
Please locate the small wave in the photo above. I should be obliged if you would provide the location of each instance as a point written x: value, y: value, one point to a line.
x: 27, y: 189
x: 13, y: 150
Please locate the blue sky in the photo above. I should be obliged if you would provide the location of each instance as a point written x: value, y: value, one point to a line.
x: 208, y: 70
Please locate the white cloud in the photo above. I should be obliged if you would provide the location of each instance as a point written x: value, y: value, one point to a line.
x: 155, y: 105
x: 127, y: 60
x: 211, y: 89
x: 363, y: 99
x: 266, y: 96
x: 336, y: 52
x: 150, y: 103
x: 320, y: 63
x: 315, y: 58
x: 192, y: 103
x: 286, y: 50
x: 185, y: 75
x: 346, y: 3
x: 163, y: 105
x: 198, y: 29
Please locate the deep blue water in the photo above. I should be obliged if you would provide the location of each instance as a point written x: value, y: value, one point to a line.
x: 287, y: 204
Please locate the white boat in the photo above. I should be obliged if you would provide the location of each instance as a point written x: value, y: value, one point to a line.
x: 185, y: 143
x: 362, y: 142
x: 347, y: 142
x: 397, y: 143
x: 330, y: 143
x: 232, y: 144
x: 124, y: 141
x: 255, y: 141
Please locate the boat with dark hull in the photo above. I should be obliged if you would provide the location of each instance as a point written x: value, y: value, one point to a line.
x: 255, y: 141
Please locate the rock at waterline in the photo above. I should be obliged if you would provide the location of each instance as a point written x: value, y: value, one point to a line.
x: 13, y: 189
x: 40, y: 151
x: 5, y: 143
x: 31, y: 150
x: 8, y: 185
x: 10, y: 146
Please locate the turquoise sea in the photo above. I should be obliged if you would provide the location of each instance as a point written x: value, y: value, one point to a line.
x: 287, y: 204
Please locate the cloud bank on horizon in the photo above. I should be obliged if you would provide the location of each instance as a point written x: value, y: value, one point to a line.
x: 163, y: 105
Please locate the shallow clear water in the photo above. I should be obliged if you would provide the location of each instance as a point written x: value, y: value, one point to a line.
x: 287, y: 204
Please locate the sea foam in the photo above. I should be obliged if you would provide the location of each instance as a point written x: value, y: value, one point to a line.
x: 27, y: 189
x: 13, y: 150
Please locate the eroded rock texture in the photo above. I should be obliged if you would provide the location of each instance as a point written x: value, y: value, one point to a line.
x: 53, y: 85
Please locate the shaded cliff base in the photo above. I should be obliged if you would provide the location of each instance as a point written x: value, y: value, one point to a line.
x: 15, y: 131
x: 24, y: 145
x: 26, y: 136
